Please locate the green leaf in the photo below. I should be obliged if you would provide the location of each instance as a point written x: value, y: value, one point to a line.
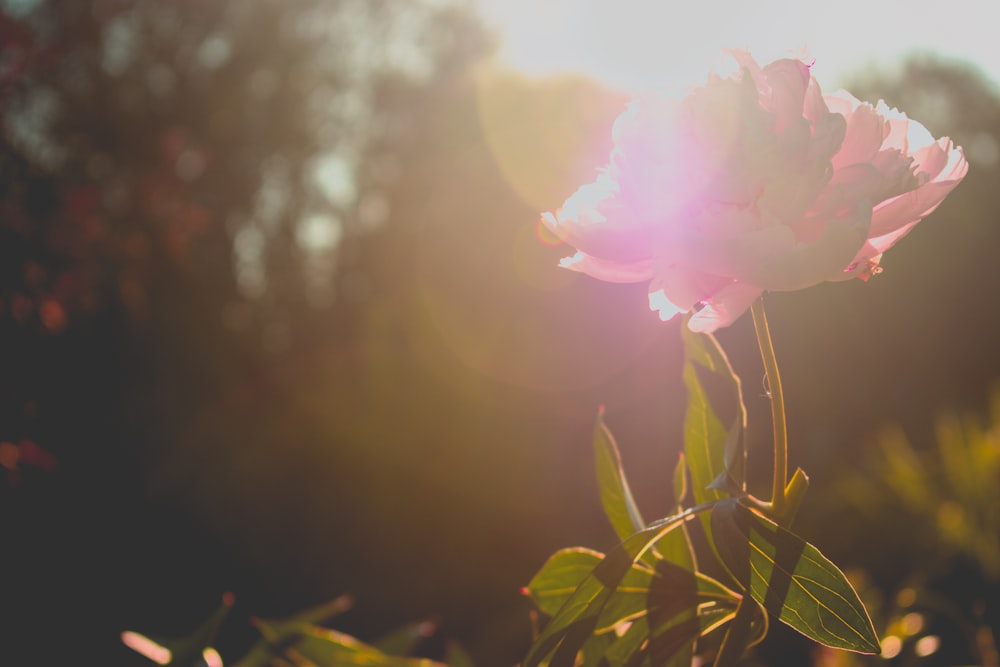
x: 579, y: 616
x: 715, y: 420
x: 620, y: 506
x: 649, y: 642
x: 404, y: 640
x: 791, y: 578
x: 565, y: 570
x: 616, y: 497
x: 676, y: 546
x: 663, y: 637
x: 456, y: 656
x: 660, y: 604
x: 329, y: 647
x: 184, y: 651
x: 680, y: 480
x: 276, y: 634
x: 673, y: 620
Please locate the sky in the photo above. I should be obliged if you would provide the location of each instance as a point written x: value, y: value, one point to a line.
x: 636, y: 45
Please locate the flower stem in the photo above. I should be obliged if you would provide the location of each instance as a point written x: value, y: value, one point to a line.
x: 777, y: 409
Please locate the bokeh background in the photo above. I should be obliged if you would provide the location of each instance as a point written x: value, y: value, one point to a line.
x: 275, y: 319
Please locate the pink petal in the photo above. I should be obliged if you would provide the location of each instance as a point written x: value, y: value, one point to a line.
x: 873, y: 249
x: 756, y: 72
x: 828, y: 132
x: 609, y: 270
x: 659, y: 302
x: 899, y: 127
x: 584, y: 222
x: 685, y: 287
x: 865, y: 133
x: 787, y: 80
x: 813, y: 106
x: 911, y: 135
x: 955, y: 165
x: 916, y: 204
x: 930, y: 160
x: 880, y: 244
x: 736, y: 256
x: 724, y: 307
x: 909, y: 207
x: 842, y: 102
x: 846, y: 188
x: 811, y: 263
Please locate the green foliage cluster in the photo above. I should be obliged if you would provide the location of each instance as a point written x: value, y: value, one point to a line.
x: 651, y: 601
x: 952, y: 487
x: 296, y: 641
x: 937, y: 584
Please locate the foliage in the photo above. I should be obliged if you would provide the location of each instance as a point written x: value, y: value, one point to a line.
x: 935, y: 589
x: 298, y: 640
x: 650, y: 601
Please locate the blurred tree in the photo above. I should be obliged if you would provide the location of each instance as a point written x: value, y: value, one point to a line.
x: 181, y: 185
x: 293, y: 356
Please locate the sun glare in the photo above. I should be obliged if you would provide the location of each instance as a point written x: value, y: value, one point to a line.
x: 653, y: 45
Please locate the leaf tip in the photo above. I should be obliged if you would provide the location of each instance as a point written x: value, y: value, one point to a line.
x: 146, y: 647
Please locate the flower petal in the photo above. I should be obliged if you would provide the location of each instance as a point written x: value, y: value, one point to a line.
x: 866, y: 131
x: 686, y: 287
x: 811, y: 263
x: 724, y: 308
x: 753, y: 182
x: 609, y: 270
x: 738, y: 256
x: 787, y: 80
x: 659, y: 302
x: 912, y: 206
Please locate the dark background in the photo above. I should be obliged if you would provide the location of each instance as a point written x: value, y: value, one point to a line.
x: 274, y: 320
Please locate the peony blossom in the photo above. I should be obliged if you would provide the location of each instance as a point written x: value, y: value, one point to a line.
x: 751, y: 183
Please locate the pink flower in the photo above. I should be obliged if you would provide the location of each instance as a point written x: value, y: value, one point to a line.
x: 751, y: 183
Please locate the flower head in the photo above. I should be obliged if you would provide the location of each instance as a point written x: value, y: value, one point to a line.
x: 751, y: 183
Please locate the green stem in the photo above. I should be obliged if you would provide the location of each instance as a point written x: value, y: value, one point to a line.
x: 777, y: 409
x: 737, y: 634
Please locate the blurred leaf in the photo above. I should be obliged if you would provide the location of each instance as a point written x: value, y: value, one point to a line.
x: 715, y: 420
x: 195, y: 649
x: 616, y: 497
x: 594, y: 651
x: 330, y: 648
x: 279, y: 633
x: 456, y: 656
x: 404, y: 640
x: 579, y: 616
x: 792, y: 579
x: 680, y: 480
